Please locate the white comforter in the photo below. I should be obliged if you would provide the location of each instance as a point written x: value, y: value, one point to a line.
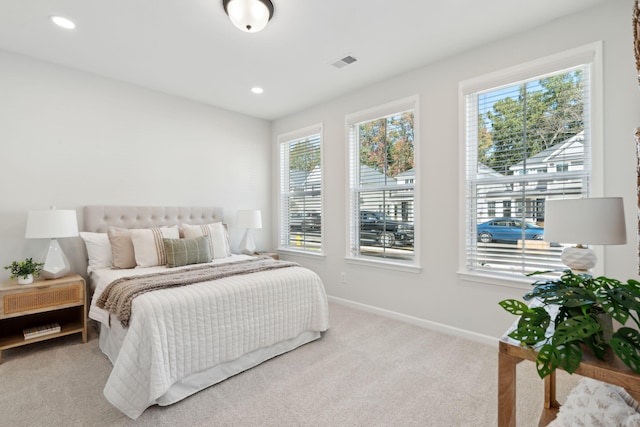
x: 179, y: 332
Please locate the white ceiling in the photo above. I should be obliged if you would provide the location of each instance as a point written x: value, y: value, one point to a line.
x: 189, y: 48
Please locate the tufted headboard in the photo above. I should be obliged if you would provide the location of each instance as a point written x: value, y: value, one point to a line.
x: 98, y: 218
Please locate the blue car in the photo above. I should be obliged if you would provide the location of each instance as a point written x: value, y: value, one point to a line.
x: 508, y: 230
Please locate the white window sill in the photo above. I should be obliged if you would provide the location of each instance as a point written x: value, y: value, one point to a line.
x: 498, y: 280
x: 389, y: 265
x: 304, y: 254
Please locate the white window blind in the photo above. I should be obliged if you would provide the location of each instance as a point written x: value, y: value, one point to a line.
x: 301, y: 191
x: 526, y: 142
x: 382, y: 182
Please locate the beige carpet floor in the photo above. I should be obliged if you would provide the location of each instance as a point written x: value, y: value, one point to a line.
x: 367, y: 370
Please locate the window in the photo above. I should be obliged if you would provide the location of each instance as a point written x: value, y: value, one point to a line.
x: 382, y: 180
x: 301, y: 190
x: 527, y: 140
x: 491, y: 208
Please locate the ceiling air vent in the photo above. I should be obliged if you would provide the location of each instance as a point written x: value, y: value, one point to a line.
x: 343, y: 62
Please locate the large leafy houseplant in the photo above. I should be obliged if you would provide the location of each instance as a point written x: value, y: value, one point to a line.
x: 585, y: 306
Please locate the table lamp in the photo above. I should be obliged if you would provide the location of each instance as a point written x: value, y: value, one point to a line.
x: 592, y: 221
x: 249, y: 219
x: 53, y: 224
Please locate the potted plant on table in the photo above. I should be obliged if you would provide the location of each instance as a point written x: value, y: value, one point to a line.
x: 582, y: 308
x: 25, y: 270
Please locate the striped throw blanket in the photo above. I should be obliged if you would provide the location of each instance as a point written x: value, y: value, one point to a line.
x: 119, y: 294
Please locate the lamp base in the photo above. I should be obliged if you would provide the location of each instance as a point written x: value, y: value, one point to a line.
x: 56, y: 264
x: 247, y: 245
x: 579, y: 258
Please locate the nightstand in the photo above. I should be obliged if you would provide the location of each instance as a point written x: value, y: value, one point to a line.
x: 273, y: 255
x: 39, y: 303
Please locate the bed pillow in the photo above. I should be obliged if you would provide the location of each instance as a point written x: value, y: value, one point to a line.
x: 187, y: 251
x: 593, y: 403
x: 122, y: 254
x: 148, y: 247
x: 98, y: 250
x: 219, y: 238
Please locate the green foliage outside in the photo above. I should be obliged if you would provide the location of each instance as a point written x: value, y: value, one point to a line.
x: 543, y: 113
x: 304, y: 156
x: 386, y: 144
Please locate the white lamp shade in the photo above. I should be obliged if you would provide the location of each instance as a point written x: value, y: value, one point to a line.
x: 248, y: 15
x: 591, y: 221
x: 51, y: 224
x: 249, y: 219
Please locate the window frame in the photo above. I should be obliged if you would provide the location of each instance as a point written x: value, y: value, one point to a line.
x: 390, y: 108
x: 591, y: 56
x: 285, y: 138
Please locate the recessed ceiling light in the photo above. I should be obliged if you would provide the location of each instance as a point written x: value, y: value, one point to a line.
x: 257, y: 90
x: 63, y: 22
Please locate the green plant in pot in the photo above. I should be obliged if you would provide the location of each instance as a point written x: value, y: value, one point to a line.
x: 585, y: 306
x: 25, y: 270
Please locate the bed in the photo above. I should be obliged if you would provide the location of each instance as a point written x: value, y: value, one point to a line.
x: 181, y: 339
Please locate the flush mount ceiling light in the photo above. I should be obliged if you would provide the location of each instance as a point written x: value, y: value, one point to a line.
x: 250, y: 16
x: 257, y: 90
x: 63, y: 22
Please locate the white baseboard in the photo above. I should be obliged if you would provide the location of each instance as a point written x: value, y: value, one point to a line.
x: 435, y: 326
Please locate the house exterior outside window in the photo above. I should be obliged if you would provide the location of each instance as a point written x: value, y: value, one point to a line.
x: 526, y: 140
x: 301, y: 202
x: 382, y: 180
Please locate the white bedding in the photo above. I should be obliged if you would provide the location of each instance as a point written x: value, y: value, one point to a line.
x: 181, y: 340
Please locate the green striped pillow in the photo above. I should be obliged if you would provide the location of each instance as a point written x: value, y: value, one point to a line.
x: 187, y: 251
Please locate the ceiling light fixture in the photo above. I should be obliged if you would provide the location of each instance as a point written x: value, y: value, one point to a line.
x: 250, y: 16
x: 257, y: 90
x: 63, y: 22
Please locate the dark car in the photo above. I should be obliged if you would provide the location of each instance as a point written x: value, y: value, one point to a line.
x: 508, y: 230
x: 309, y: 222
x: 378, y: 228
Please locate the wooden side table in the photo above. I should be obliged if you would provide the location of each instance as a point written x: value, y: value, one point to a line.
x: 39, y: 303
x: 611, y: 370
x: 273, y: 255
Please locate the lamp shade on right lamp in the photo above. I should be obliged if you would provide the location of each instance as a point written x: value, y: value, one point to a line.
x: 588, y: 221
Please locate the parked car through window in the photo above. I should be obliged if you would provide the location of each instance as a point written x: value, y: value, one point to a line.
x: 379, y: 229
x: 508, y: 230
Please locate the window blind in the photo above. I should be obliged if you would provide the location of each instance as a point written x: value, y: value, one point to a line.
x: 526, y: 142
x: 382, y: 181
x: 301, y: 192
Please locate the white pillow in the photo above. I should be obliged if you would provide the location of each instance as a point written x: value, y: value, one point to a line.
x: 218, y: 237
x: 98, y: 250
x: 594, y: 403
x: 148, y: 246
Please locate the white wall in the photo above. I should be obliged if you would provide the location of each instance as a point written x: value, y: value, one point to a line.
x: 72, y: 139
x: 437, y: 294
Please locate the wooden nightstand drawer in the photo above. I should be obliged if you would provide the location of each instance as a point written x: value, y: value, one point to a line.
x: 39, y: 299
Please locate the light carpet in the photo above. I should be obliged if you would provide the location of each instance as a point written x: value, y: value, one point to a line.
x: 367, y: 370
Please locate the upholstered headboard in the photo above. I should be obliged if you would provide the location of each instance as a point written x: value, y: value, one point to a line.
x: 98, y: 218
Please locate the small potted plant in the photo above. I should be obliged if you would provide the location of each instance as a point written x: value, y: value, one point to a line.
x: 582, y: 308
x: 25, y: 270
